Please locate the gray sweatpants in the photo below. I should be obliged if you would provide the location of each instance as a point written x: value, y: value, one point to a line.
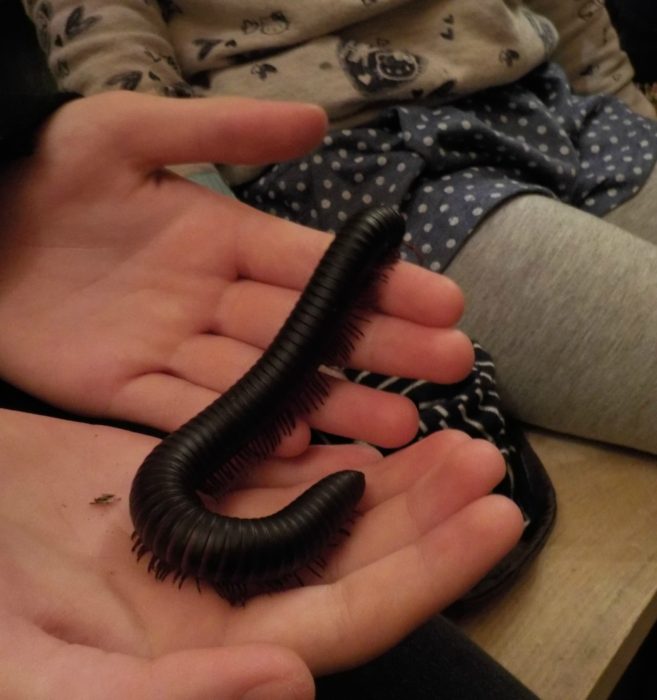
x: 567, y: 305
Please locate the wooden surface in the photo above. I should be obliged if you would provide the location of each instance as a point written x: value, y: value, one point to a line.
x: 571, y: 624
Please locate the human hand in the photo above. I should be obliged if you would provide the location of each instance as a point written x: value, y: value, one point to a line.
x: 81, y: 618
x: 131, y: 293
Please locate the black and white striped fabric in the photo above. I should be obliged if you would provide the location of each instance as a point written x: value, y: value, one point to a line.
x: 474, y: 406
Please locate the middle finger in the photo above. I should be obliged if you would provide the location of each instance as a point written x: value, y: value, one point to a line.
x: 253, y: 312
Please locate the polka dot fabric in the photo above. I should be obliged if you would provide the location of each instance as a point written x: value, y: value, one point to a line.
x: 447, y: 166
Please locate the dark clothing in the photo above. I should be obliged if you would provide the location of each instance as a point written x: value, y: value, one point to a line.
x: 636, y: 24
x: 436, y: 662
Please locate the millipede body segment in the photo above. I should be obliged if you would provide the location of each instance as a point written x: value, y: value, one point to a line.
x: 238, y: 555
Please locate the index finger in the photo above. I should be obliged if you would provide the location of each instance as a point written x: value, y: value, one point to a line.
x: 282, y: 253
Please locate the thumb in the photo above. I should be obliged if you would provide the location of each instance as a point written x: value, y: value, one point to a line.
x: 158, y: 131
x: 250, y: 672
x: 36, y: 665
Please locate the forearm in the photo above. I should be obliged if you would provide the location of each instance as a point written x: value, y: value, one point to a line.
x: 104, y: 45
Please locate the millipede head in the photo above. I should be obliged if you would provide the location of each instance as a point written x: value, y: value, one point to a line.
x: 383, y: 224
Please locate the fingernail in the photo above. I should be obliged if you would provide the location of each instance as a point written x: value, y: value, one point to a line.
x: 369, y: 451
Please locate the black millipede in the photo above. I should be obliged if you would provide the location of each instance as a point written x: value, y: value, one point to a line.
x: 245, y: 424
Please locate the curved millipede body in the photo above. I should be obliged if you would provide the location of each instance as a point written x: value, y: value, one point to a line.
x: 246, y: 423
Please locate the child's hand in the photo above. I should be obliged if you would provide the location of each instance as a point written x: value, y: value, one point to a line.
x: 81, y: 618
x: 130, y: 293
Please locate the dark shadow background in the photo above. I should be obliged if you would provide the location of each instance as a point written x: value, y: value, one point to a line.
x: 22, y: 65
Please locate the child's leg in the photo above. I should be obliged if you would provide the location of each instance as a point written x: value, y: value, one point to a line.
x: 639, y: 214
x: 567, y: 305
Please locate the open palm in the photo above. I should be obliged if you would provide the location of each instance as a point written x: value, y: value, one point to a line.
x: 131, y: 293
x: 81, y: 618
